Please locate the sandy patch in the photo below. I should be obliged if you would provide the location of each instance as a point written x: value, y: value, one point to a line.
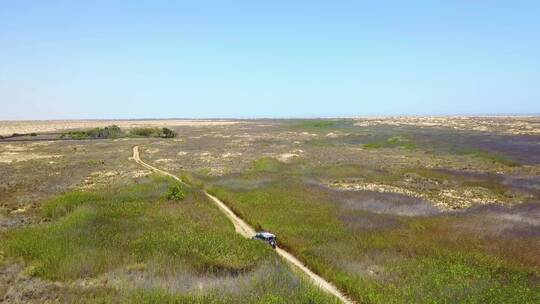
x: 231, y: 154
x: 164, y: 160
x: 13, y: 148
x: 10, y: 157
x: 286, y: 157
x: 20, y: 210
x: 140, y: 173
x: 152, y: 151
x: 445, y: 199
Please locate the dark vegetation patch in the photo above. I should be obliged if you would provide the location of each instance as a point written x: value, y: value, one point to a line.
x: 510, y: 150
x: 152, y: 132
x: 526, y: 212
x: 15, y: 135
x: 503, y: 184
x: 114, y: 131
x: 385, y: 203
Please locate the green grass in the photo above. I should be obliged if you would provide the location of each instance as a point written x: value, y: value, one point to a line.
x: 97, y: 233
x: 266, y: 164
x: 392, y: 142
x: 488, y: 156
x: 422, y: 260
x: 321, y: 125
x: 94, y: 233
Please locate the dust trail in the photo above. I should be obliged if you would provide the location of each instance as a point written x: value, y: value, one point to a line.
x: 247, y: 231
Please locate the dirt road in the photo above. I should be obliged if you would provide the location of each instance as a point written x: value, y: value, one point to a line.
x: 247, y: 231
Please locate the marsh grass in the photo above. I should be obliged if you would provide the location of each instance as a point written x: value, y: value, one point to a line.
x: 321, y: 125
x: 133, y: 229
x: 392, y: 142
x: 92, y: 233
x: 419, y: 259
x: 488, y: 156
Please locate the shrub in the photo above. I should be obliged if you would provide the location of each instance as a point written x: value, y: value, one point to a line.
x: 175, y: 193
x: 152, y: 132
x: 145, y: 132
x: 167, y: 133
x: 112, y: 131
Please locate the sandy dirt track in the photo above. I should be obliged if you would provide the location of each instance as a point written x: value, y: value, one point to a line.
x: 247, y: 231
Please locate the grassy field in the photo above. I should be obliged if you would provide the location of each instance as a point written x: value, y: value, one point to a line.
x: 379, y: 257
x: 423, y: 210
x: 165, y: 251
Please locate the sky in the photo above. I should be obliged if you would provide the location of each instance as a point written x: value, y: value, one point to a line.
x: 251, y: 59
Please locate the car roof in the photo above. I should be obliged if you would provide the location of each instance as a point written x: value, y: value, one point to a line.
x: 266, y: 234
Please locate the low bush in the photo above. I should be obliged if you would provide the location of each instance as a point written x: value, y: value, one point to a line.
x: 167, y: 133
x: 152, y: 132
x: 175, y: 193
x: 112, y: 131
x: 145, y: 132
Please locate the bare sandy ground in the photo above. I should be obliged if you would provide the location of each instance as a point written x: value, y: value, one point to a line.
x: 43, y: 126
x: 13, y: 153
x: 514, y: 125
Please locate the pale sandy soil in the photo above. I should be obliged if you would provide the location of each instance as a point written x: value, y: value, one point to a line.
x: 444, y: 199
x: 515, y: 125
x: 13, y: 153
x: 42, y: 126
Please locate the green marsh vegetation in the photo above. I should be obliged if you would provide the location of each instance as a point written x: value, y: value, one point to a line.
x: 112, y: 131
x: 152, y: 132
x: 392, y: 142
x: 320, y: 125
x: 176, y: 193
x: 133, y: 231
x: 385, y: 258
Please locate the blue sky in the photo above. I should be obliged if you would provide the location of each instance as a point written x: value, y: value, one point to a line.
x: 204, y: 59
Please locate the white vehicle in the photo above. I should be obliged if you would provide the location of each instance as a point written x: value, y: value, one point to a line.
x: 266, y: 237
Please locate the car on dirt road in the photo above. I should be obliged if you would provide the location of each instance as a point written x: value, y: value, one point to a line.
x: 266, y: 237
